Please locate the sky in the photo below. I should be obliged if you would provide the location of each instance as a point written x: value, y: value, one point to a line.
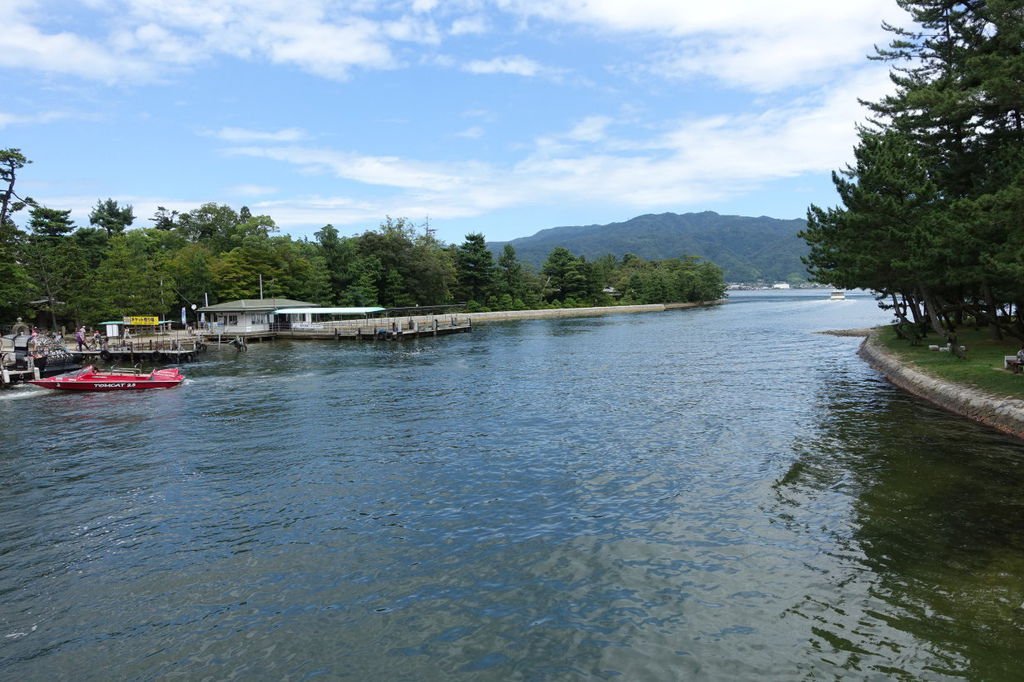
x: 503, y: 117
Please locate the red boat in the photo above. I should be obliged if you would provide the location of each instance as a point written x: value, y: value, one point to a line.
x: 88, y: 379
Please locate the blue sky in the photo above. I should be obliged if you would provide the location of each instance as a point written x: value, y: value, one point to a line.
x: 496, y: 116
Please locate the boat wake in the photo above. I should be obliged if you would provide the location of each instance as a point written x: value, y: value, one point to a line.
x: 19, y: 392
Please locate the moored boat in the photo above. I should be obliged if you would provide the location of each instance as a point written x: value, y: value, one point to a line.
x: 837, y: 295
x: 88, y: 379
x: 23, y: 352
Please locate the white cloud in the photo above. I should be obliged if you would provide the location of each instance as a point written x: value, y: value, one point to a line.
x: 590, y: 129
x: 744, y: 43
x: 702, y: 159
x: 327, y: 50
x: 32, y: 119
x: 516, y: 65
x: 357, y: 214
x: 413, y: 30
x: 138, y: 40
x: 748, y: 43
x: 246, y: 135
x: 252, y: 190
x: 386, y: 171
x: 23, y: 46
x: 424, y: 5
x: 471, y: 25
x: 471, y: 133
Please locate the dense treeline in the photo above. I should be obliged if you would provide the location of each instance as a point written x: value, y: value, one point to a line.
x: 106, y: 270
x: 932, y: 212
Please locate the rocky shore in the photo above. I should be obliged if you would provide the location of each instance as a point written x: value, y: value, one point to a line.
x: 1004, y: 414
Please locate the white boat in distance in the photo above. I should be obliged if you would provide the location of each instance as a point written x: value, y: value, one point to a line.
x: 837, y: 295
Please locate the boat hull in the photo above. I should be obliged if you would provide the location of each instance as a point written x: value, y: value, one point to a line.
x: 90, y: 380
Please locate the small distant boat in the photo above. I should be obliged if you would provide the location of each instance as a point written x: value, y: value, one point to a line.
x: 88, y: 379
x: 837, y: 295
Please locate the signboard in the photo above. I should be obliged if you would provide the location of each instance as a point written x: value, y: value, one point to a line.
x: 143, y: 320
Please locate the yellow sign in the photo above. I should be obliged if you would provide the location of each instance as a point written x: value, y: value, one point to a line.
x: 143, y: 320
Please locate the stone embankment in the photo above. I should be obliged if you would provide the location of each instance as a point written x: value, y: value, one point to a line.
x: 505, y: 315
x: 1004, y: 414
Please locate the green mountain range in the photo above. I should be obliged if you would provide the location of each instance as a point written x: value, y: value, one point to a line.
x: 747, y: 249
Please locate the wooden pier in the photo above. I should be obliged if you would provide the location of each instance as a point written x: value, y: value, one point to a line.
x: 390, y: 329
x: 154, y: 350
x: 372, y: 329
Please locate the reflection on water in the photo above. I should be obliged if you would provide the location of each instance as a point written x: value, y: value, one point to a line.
x: 717, y: 494
x: 929, y: 514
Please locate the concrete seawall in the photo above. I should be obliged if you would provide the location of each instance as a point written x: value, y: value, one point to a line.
x: 506, y: 315
x: 1004, y: 414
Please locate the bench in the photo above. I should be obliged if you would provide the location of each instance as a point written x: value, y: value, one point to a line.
x: 1011, y: 362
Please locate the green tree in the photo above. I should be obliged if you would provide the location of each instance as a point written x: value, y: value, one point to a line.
x: 11, y: 161
x: 164, y: 219
x: 432, y: 274
x: 565, y: 277
x: 338, y: 255
x: 363, y: 290
x: 510, y: 277
x: 53, y: 260
x: 94, y: 244
x: 15, y: 285
x: 211, y: 224
x: 127, y: 282
x: 406, y: 268
x: 186, y: 272
x: 474, y: 267
x: 111, y: 217
x: 928, y: 214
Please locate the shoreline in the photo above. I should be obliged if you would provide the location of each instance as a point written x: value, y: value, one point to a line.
x: 543, y: 313
x: 1000, y: 413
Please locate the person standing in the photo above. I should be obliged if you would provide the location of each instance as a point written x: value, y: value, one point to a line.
x: 80, y: 338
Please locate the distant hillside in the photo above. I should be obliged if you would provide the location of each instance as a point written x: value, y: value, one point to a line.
x: 747, y: 249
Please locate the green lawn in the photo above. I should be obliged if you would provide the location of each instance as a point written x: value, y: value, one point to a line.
x: 982, y: 368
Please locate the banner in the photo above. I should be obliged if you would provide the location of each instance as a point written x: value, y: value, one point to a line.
x: 184, y: 320
x: 143, y: 320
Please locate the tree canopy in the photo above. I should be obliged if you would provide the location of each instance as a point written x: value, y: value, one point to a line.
x: 931, y: 215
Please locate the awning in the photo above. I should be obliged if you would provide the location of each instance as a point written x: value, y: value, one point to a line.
x: 327, y: 311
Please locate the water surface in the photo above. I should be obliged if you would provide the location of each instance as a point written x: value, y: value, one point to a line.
x: 708, y: 494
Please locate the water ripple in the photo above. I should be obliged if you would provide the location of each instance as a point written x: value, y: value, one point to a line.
x: 715, y: 494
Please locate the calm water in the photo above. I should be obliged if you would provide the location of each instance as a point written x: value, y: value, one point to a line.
x: 712, y: 494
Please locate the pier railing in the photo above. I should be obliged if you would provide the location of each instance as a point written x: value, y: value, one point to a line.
x: 415, y: 324
x: 405, y: 323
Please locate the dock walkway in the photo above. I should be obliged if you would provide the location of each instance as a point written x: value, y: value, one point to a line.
x: 155, y: 349
x: 372, y: 329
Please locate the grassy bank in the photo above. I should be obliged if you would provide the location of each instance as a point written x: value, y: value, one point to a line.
x: 982, y: 368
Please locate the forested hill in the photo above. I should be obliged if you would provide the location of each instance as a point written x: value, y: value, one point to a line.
x: 747, y: 249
